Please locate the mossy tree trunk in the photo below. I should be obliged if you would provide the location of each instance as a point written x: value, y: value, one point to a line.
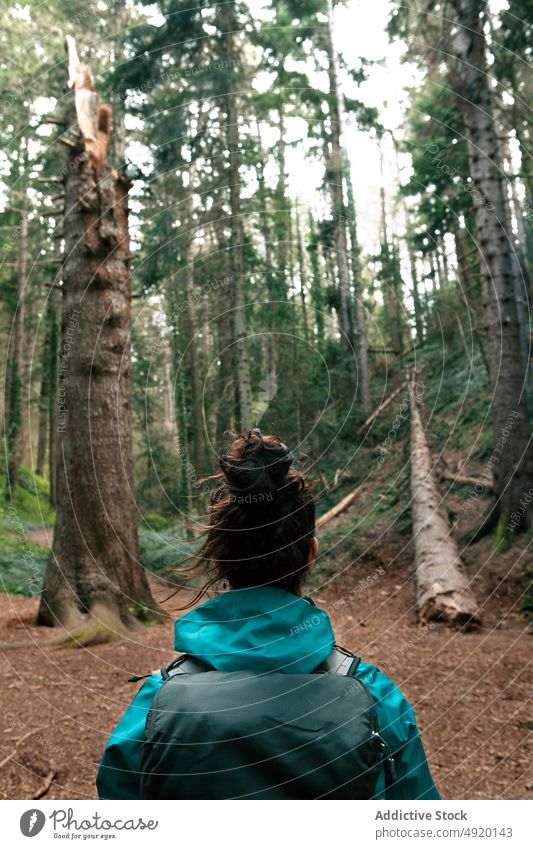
x: 512, y: 459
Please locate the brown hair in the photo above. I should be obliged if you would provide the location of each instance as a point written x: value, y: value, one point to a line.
x: 261, y: 519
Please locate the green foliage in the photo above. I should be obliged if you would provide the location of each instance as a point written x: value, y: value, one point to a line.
x: 18, y: 575
x: 22, y: 562
x: 502, y: 533
x: 156, y: 522
x: 162, y: 550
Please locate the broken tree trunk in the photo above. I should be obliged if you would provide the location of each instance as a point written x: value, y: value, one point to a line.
x: 94, y: 580
x: 443, y: 591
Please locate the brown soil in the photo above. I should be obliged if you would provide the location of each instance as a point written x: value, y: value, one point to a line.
x: 41, y: 536
x: 471, y: 691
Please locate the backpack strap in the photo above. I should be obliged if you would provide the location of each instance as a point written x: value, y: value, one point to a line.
x: 339, y: 662
x: 342, y: 662
x: 183, y: 665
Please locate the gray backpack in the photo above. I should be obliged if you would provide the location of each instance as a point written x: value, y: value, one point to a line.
x: 262, y: 735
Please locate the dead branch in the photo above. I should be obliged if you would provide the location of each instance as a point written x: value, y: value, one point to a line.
x: 381, y: 407
x: 486, y: 483
x: 323, y: 480
x: 17, y: 744
x: 49, y: 119
x: 339, y: 508
x: 45, y: 787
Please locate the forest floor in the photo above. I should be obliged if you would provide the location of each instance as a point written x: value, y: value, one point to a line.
x: 471, y: 691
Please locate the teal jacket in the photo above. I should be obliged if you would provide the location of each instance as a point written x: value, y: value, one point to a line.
x: 265, y: 629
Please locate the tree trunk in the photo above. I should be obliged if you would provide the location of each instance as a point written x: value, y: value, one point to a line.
x: 226, y: 376
x: 14, y: 406
x: 244, y: 389
x: 302, y: 272
x: 193, y: 347
x: 44, y: 405
x: 317, y: 295
x: 443, y: 591
x: 94, y: 581
x: 391, y: 280
x: 335, y: 177
x: 272, y: 292
x: 521, y: 276
x: 417, y: 307
x: 54, y: 318
x: 513, y: 450
x: 464, y: 291
x: 27, y: 376
x: 360, y: 320
x: 181, y: 418
x: 419, y: 324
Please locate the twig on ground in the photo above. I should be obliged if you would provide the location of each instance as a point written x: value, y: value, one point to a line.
x: 45, y: 787
x: 17, y: 744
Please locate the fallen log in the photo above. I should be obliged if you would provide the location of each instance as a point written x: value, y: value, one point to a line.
x: 443, y: 591
x: 446, y: 475
x: 340, y: 507
x: 381, y: 407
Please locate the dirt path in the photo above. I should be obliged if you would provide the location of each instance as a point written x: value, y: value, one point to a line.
x: 41, y: 536
x: 471, y: 692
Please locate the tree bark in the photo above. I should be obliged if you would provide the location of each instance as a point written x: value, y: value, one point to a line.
x: 317, y: 295
x: 44, y: 406
x: 177, y: 332
x: 335, y: 177
x: 54, y: 318
x: 271, y: 288
x: 244, y: 388
x: 94, y: 580
x: 303, y: 275
x: 391, y: 281
x: 513, y: 449
x: 521, y: 275
x: 360, y: 320
x: 464, y: 290
x: 419, y: 323
x: 443, y: 591
x: 14, y: 406
x: 193, y: 347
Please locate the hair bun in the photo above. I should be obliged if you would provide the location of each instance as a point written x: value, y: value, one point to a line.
x: 254, y: 466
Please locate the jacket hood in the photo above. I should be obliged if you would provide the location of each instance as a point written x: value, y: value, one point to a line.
x: 259, y: 628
